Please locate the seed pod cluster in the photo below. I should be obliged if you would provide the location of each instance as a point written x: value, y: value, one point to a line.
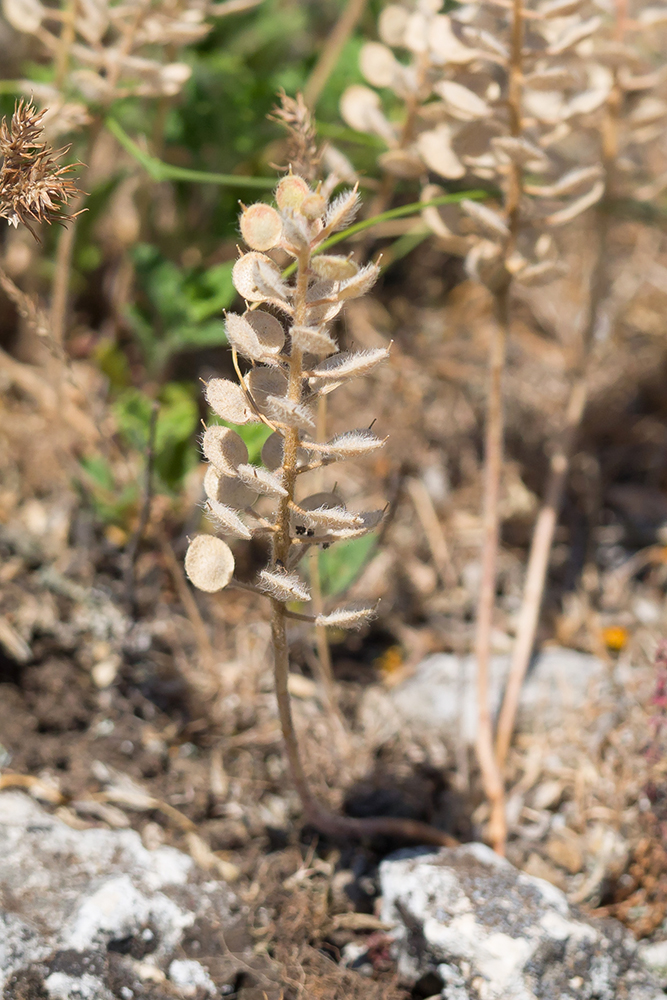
x: 286, y: 335
x: 576, y: 68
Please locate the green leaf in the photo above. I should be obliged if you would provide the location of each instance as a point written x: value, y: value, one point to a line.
x: 341, y: 564
x: 210, y: 334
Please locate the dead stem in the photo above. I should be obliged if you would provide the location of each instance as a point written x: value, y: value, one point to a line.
x: 333, y: 47
x: 545, y: 526
x: 493, y: 460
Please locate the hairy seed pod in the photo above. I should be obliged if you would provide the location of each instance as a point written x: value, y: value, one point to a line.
x: 283, y: 586
x: 228, y: 490
x: 353, y: 616
x: 225, y: 449
x: 313, y: 207
x: 261, y: 227
x: 228, y: 400
x: 313, y: 340
x: 227, y: 520
x: 291, y: 192
x: 209, y: 563
x: 334, y: 268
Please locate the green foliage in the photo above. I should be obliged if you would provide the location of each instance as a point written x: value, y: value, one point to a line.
x: 174, y: 450
x: 181, y: 307
x: 341, y: 564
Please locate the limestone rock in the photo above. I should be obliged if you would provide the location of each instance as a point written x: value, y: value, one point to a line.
x: 93, y: 915
x: 441, y: 692
x: 468, y: 923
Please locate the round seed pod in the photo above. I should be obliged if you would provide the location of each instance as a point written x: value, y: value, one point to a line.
x: 268, y: 330
x: 291, y: 192
x: 245, y: 277
x: 227, y: 490
x: 313, y: 207
x: 333, y: 267
x: 263, y: 382
x: 261, y: 226
x: 272, y: 452
x: 227, y: 400
x: 225, y: 449
x: 209, y: 563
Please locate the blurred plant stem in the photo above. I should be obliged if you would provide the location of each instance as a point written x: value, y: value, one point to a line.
x: 332, y: 50
x: 559, y: 465
x: 492, y: 778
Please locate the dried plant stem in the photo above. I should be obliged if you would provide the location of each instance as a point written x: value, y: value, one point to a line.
x: 493, y: 460
x: 536, y: 571
x: 333, y: 47
x: 559, y: 466
x: 321, y: 818
x: 492, y: 778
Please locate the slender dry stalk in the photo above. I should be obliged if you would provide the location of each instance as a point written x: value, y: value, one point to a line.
x: 559, y: 464
x: 332, y: 49
x: 493, y: 461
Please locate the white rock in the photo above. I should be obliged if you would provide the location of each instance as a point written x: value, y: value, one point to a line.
x: 442, y: 691
x: 188, y: 976
x: 491, y: 931
x: 71, y: 901
x: 655, y: 956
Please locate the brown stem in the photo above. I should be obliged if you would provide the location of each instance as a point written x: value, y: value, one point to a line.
x: 493, y: 459
x: 492, y: 778
x: 333, y: 47
x: 545, y: 526
x: 325, y: 821
x: 316, y: 814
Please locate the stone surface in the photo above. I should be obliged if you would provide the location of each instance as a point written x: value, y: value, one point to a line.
x: 469, y: 924
x: 441, y: 692
x: 93, y: 915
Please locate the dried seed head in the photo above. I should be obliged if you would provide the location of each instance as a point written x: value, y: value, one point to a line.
x: 283, y: 586
x: 352, y: 617
x: 392, y: 24
x: 401, y: 163
x: 227, y: 520
x: 261, y: 226
x: 33, y: 187
x: 209, y: 563
x: 228, y: 400
x: 334, y: 268
x: 291, y: 192
x: 225, y: 449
